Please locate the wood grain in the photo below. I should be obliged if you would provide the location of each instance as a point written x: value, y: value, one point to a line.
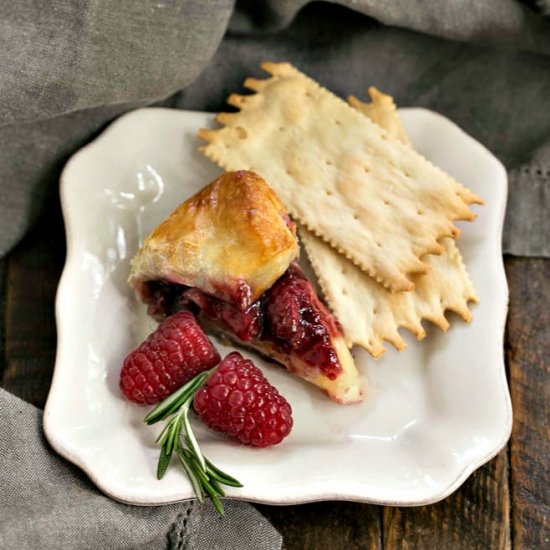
x: 33, y: 271
x: 474, y: 517
x: 528, y: 354
x: 327, y: 525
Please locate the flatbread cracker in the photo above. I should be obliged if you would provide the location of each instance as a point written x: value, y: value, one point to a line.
x: 368, y: 313
x: 345, y: 178
x: 383, y: 111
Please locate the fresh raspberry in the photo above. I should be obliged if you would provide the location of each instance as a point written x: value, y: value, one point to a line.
x: 177, y: 351
x: 238, y: 400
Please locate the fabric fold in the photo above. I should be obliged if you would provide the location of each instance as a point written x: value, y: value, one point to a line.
x: 47, y: 503
x: 69, y: 70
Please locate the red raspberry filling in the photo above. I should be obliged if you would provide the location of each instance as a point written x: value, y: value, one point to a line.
x: 289, y: 315
x: 245, y: 325
x: 297, y: 321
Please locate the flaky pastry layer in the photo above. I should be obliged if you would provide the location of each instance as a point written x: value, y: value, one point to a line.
x: 233, y: 240
x: 346, y: 179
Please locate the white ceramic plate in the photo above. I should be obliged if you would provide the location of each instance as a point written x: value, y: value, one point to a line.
x: 432, y: 415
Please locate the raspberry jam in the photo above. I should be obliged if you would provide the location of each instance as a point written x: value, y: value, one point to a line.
x: 245, y: 325
x: 297, y: 321
x: 289, y: 315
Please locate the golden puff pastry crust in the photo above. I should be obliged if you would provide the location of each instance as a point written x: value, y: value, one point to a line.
x: 233, y: 240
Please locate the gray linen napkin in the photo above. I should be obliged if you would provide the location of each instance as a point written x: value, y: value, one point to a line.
x: 499, y: 95
x: 69, y: 67
x: 47, y: 503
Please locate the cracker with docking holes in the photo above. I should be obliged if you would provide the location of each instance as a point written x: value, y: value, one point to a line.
x: 383, y: 111
x: 345, y: 178
x: 368, y: 313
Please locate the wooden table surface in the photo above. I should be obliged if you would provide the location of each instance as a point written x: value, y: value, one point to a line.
x: 505, y: 504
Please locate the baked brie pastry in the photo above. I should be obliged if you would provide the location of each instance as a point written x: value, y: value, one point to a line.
x: 229, y: 254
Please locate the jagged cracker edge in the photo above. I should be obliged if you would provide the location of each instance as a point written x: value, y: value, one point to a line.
x: 266, y: 67
x: 377, y: 350
x: 217, y: 160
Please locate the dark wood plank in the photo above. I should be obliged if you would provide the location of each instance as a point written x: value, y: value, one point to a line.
x: 29, y: 377
x: 33, y: 271
x: 528, y: 354
x: 474, y: 517
x: 327, y: 525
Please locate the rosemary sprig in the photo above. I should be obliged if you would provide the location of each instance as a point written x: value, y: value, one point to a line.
x: 178, y: 437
